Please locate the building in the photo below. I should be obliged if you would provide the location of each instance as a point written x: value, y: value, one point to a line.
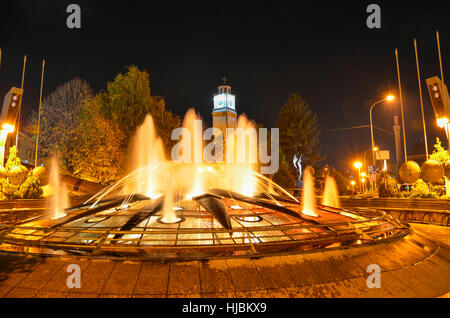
x: 224, y: 112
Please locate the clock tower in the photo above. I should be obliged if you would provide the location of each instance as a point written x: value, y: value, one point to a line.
x: 224, y: 112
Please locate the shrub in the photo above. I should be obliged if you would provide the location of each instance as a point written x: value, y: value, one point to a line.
x: 17, y: 183
x: 387, y: 188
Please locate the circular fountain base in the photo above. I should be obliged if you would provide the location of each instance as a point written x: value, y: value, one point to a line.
x: 206, y: 227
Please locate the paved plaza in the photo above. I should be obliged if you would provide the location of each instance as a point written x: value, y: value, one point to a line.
x: 415, y: 266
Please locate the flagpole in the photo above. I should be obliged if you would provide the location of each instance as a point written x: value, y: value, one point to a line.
x: 39, y: 115
x: 20, y: 105
x: 421, y: 100
x: 401, y: 104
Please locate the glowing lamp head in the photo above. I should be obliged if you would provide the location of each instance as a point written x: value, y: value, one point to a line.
x: 363, y: 174
x: 357, y: 165
x: 8, y: 127
x: 390, y: 98
x: 442, y: 122
x: 375, y: 148
x: 352, y: 182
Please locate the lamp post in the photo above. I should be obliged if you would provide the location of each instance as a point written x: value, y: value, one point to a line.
x: 388, y: 99
x: 358, y: 165
x: 363, y: 179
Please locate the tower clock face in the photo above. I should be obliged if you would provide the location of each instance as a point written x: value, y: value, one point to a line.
x: 224, y: 101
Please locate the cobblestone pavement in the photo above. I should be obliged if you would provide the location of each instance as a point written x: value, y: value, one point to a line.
x: 416, y: 266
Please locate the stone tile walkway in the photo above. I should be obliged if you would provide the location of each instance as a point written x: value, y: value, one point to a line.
x: 412, y: 267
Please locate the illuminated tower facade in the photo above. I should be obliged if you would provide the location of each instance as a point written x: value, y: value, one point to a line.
x: 224, y: 112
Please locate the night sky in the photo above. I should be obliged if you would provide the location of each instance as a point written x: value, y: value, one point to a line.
x: 267, y: 50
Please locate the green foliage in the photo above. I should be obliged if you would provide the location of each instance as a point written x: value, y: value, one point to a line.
x: 127, y: 100
x: 341, y: 181
x: 13, y: 159
x: 299, y: 132
x: 284, y: 175
x: 8, y: 190
x: 422, y: 190
x: 99, y: 156
x: 439, y: 153
x: 387, y: 187
x: 30, y: 188
x: 60, y: 116
x: 91, y: 134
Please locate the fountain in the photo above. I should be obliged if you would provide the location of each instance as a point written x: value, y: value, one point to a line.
x: 309, y: 196
x: 330, y: 193
x: 59, y: 199
x: 164, y: 207
x: 147, y: 150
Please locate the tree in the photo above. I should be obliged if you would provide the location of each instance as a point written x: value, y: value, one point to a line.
x: 127, y: 100
x: 98, y: 154
x: 341, y: 181
x: 60, y: 116
x: 284, y: 176
x: 440, y: 153
x: 299, y: 132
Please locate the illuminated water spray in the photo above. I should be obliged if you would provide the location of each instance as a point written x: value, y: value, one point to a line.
x: 59, y: 199
x: 309, y: 196
x: 330, y: 193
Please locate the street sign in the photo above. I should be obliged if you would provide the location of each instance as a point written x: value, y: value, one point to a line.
x: 382, y: 155
x: 372, y: 170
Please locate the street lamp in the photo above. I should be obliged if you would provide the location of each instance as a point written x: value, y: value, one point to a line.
x: 358, y: 165
x: 388, y: 98
x: 6, y: 129
x: 363, y: 178
x: 353, y: 185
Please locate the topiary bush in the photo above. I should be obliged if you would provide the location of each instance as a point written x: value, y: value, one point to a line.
x: 16, y: 182
x: 387, y: 188
x: 439, y: 153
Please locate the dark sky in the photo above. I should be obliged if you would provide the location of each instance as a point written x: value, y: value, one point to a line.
x: 267, y: 50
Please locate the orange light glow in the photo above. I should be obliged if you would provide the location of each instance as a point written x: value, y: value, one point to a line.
x: 442, y: 122
x: 8, y: 127
x: 390, y: 98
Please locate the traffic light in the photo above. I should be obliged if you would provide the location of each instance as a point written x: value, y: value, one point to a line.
x: 11, y: 106
x: 439, y: 99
